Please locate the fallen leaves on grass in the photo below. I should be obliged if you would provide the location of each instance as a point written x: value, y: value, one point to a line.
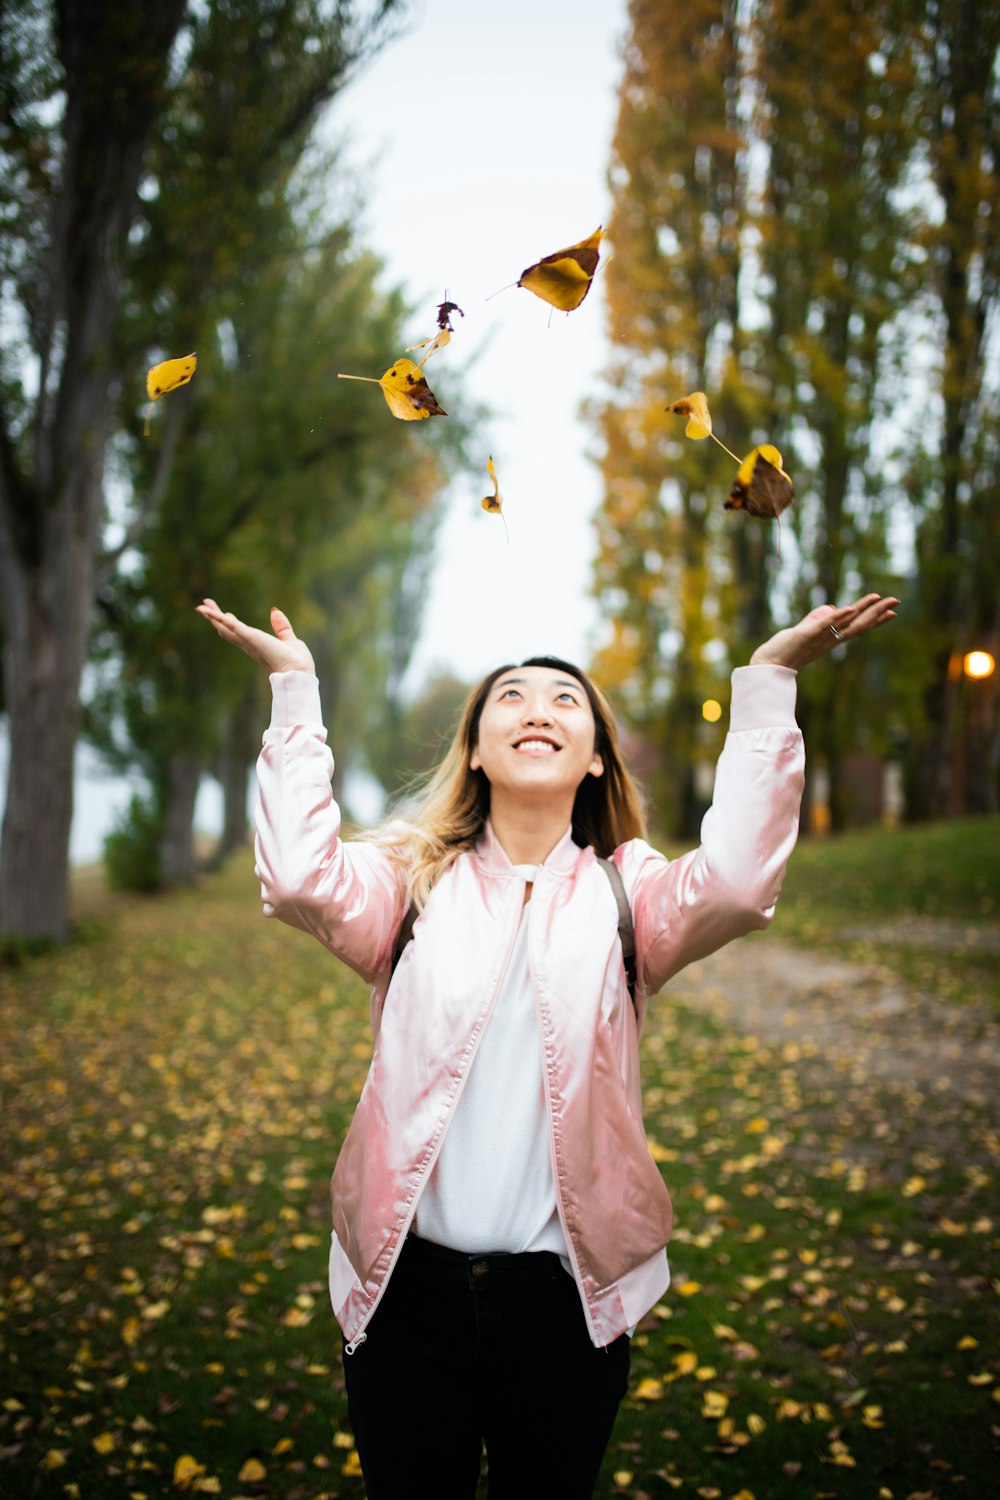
x: 173, y: 1097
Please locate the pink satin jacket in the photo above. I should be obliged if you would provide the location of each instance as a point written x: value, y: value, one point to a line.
x: 613, y: 1204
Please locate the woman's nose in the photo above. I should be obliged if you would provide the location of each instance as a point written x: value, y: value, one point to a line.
x: 537, y: 713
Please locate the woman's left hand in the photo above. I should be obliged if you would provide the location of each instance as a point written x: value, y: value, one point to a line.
x: 822, y: 630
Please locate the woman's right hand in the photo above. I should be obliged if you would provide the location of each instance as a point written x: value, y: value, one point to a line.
x: 280, y: 652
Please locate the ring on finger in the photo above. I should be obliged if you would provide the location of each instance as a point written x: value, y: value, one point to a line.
x: 835, y: 633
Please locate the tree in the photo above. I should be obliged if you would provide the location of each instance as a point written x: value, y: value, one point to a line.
x: 954, y: 483
x: 113, y: 74
x: 288, y: 485
x: 835, y: 92
x: 678, y: 181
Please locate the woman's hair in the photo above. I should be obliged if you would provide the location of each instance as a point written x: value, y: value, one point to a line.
x: 455, y: 800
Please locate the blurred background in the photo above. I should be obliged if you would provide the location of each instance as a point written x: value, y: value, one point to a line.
x: 799, y: 204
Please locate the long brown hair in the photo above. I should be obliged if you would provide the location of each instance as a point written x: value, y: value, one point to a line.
x: 455, y: 800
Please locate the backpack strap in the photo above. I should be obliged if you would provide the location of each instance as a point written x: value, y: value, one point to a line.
x: 626, y: 928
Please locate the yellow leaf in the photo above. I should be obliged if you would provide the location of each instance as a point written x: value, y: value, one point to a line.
x: 494, y: 502
x: 563, y: 278
x: 186, y: 1470
x: 649, y: 1389
x: 623, y: 1478
x: 169, y: 374
x: 714, y: 1405
x: 283, y: 1445
x: 440, y: 339
x: 252, y: 1472
x: 695, y: 408
x: 872, y: 1416
x: 761, y: 487
x: 104, y: 1442
x: 755, y: 1424
x: 343, y: 1440
x: 54, y: 1458
x: 407, y: 394
x: 131, y: 1332
x: 914, y: 1185
x: 686, y: 1362
x: 967, y: 1342
x: 351, y: 1468
x: 689, y: 1288
x: 660, y: 1153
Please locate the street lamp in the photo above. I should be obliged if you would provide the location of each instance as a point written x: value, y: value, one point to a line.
x: 978, y: 664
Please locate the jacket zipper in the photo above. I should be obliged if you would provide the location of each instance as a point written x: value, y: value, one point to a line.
x: 361, y: 1335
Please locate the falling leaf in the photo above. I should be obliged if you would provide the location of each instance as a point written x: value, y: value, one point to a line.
x: 169, y: 374
x: 442, y: 337
x: 563, y: 278
x: 407, y: 393
x: 761, y: 487
x: 494, y: 503
x: 695, y: 408
x: 445, y: 310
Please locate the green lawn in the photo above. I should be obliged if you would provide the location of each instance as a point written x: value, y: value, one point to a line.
x: 175, y: 1089
x: 937, y: 885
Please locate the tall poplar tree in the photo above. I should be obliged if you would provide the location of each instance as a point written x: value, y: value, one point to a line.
x: 835, y: 88
x: 672, y: 289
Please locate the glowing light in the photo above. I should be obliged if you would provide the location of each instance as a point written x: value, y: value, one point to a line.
x: 711, y: 710
x: 978, y: 664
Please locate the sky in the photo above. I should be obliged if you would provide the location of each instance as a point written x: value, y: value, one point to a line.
x: 480, y: 141
x: 488, y: 132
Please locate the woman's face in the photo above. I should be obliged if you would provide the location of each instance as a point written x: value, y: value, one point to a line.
x: 536, y: 736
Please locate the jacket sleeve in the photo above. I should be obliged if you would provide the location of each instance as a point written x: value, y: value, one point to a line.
x: 685, y: 908
x: 352, y: 896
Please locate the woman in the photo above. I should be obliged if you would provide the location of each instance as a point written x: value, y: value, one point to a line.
x: 499, y: 1226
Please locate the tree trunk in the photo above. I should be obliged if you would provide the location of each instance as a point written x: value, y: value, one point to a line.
x: 177, y: 851
x: 114, y: 59
x: 46, y: 616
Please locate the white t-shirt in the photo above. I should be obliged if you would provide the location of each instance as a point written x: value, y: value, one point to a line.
x: 492, y: 1187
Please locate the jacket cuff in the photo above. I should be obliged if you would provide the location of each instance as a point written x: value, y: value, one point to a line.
x: 763, y: 698
x: 294, y: 700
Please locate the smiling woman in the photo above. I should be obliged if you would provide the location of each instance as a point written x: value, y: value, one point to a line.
x: 499, y: 1226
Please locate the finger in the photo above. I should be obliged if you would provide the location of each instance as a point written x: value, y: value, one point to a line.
x: 280, y: 622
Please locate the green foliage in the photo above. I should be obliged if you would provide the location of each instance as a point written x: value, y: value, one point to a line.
x: 132, y: 849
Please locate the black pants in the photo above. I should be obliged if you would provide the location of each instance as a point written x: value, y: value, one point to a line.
x: 467, y: 1349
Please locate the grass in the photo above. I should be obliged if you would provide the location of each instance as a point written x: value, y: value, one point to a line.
x: 175, y: 1091
x: 937, y: 885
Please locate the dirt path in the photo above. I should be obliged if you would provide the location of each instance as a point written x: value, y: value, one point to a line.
x: 859, y: 1017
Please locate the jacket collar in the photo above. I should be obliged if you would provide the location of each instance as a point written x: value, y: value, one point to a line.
x: 561, y: 861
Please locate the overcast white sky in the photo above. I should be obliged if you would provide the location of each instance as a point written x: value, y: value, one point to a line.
x: 488, y: 129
